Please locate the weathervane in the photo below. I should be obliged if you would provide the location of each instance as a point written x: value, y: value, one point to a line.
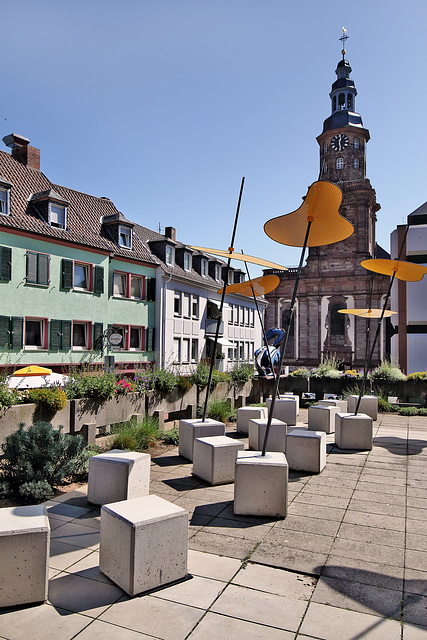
x: 343, y: 38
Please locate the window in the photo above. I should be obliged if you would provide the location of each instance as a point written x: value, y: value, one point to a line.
x: 177, y: 303
x: 4, y: 201
x: 325, y: 147
x: 169, y: 255
x: 356, y: 143
x: 231, y: 316
x: 119, y: 288
x: 82, y: 332
x: 194, y: 350
x: 325, y: 167
x: 236, y: 314
x: 37, y: 268
x: 186, y: 305
x: 57, y: 215
x: 186, y: 350
x: 340, y: 163
x: 176, y: 350
x: 242, y: 316
x: 241, y: 350
x: 334, y: 103
x: 82, y: 276
x: 136, y: 342
x: 252, y: 317
x: 35, y: 333
x: 123, y: 332
x: 247, y: 316
x: 136, y: 287
x: 195, y: 308
x: 203, y: 268
x: 349, y: 102
x: 356, y: 163
x: 125, y: 237
x: 187, y: 262
x: 341, y: 101
x: 217, y: 272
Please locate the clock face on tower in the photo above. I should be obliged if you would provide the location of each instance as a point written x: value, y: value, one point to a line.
x: 340, y: 142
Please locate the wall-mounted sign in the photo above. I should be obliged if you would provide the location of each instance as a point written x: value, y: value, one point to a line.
x: 115, y: 339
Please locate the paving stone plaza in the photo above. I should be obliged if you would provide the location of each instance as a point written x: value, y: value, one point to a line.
x: 349, y: 561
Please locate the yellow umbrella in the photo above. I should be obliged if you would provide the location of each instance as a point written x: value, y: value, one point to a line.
x: 367, y: 313
x: 241, y: 256
x: 32, y: 370
x: 401, y: 269
x: 258, y: 286
x: 320, y: 207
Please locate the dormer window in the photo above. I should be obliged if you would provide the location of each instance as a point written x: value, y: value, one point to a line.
x: 57, y: 215
x: 4, y: 201
x: 169, y: 259
x: 187, y: 262
x: 203, y: 268
x: 125, y: 236
x: 217, y: 272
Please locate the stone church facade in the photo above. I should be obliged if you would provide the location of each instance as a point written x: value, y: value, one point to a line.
x: 332, y: 277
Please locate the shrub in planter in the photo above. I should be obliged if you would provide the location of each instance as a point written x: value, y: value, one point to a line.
x: 417, y: 375
x: 302, y: 372
x: 163, y: 380
x: 100, y: 385
x: 52, y: 398
x: 241, y: 373
x: 221, y: 410
x: 123, y: 387
x: 9, y: 397
x: 328, y: 368
x: 183, y: 383
x: 387, y: 372
x: 408, y: 411
x: 37, y: 460
x: 136, y: 435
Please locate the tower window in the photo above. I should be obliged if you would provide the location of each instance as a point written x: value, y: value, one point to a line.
x: 334, y: 104
x: 325, y: 167
x: 356, y: 163
x: 356, y: 143
x: 340, y: 163
x: 349, y: 102
x: 325, y: 147
x: 341, y: 101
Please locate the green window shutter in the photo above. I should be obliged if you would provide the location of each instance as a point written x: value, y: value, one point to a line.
x: 5, y: 263
x: 98, y: 329
x: 55, y: 334
x: 31, y: 267
x: 110, y: 282
x: 4, y: 332
x: 43, y: 269
x: 150, y: 339
x: 66, y: 335
x: 98, y: 283
x: 151, y: 289
x: 67, y: 274
x: 17, y: 333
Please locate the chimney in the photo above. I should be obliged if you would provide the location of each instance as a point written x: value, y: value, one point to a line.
x: 170, y: 232
x: 22, y: 152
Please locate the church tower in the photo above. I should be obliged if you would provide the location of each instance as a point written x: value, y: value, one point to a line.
x: 333, y: 278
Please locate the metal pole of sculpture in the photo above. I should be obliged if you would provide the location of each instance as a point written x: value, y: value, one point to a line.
x: 221, y: 306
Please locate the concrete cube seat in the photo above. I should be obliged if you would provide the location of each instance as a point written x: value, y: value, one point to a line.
x: 191, y: 429
x: 285, y: 409
x: 118, y: 475
x: 368, y: 405
x: 244, y: 414
x: 24, y: 553
x: 215, y: 458
x: 276, y: 436
x: 144, y: 543
x: 293, y: 396
x: 354, y: 432
x: 261, y: 484
x: 340, y: 404
x: 322, y: 418
x: 306, y: 450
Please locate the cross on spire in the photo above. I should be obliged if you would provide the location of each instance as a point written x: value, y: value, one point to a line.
x: 343, y: 39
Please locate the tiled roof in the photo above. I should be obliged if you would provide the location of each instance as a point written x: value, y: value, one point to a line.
x: 84, y: 213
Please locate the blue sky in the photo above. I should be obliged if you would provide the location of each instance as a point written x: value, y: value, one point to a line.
x: 163, y: 105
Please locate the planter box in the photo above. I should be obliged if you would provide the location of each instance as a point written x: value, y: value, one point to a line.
x: 11, y: 417
x: 119, y: 409
x: 175, y: 400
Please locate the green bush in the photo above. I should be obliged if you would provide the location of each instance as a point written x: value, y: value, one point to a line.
x: 183, y: 383
x: 171, y: 436
x: 422, y: 411
x: 328, y: 368
x: 163, y: 380
x: 135, y: 435
x: 52, y: 398
x: 220, y: 410
x: 9, y: 397
x: 383, y: 405
x: 99, y: 385
x: 219, y: 376
x: 387, y: 372
x: 200, y: 375
x: 241, y: 373
x: 408, y: 411
x: 302, y: 372
x: 38, y: 459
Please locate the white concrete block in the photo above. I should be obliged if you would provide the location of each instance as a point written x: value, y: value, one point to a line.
x: 322, y: 418
x: 340, y: 404
x: 261, y: 484
x: 144, y: 543
x: 24, y: 555
x: 118, y: 475
x: 306, y: 450
x: 215, y: 458
x: 368, y: 405
x: 285, y: 409
x: 354, y: 432
x: 276, y: 435
x: 189, y: 430
x: 244, y: 414
x: 292, y: 396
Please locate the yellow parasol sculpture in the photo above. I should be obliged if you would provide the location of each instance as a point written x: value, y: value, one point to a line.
x: 32, y: 370
x: 316, y: 222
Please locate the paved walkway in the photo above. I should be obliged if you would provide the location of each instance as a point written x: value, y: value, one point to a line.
x: 348, y: 563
